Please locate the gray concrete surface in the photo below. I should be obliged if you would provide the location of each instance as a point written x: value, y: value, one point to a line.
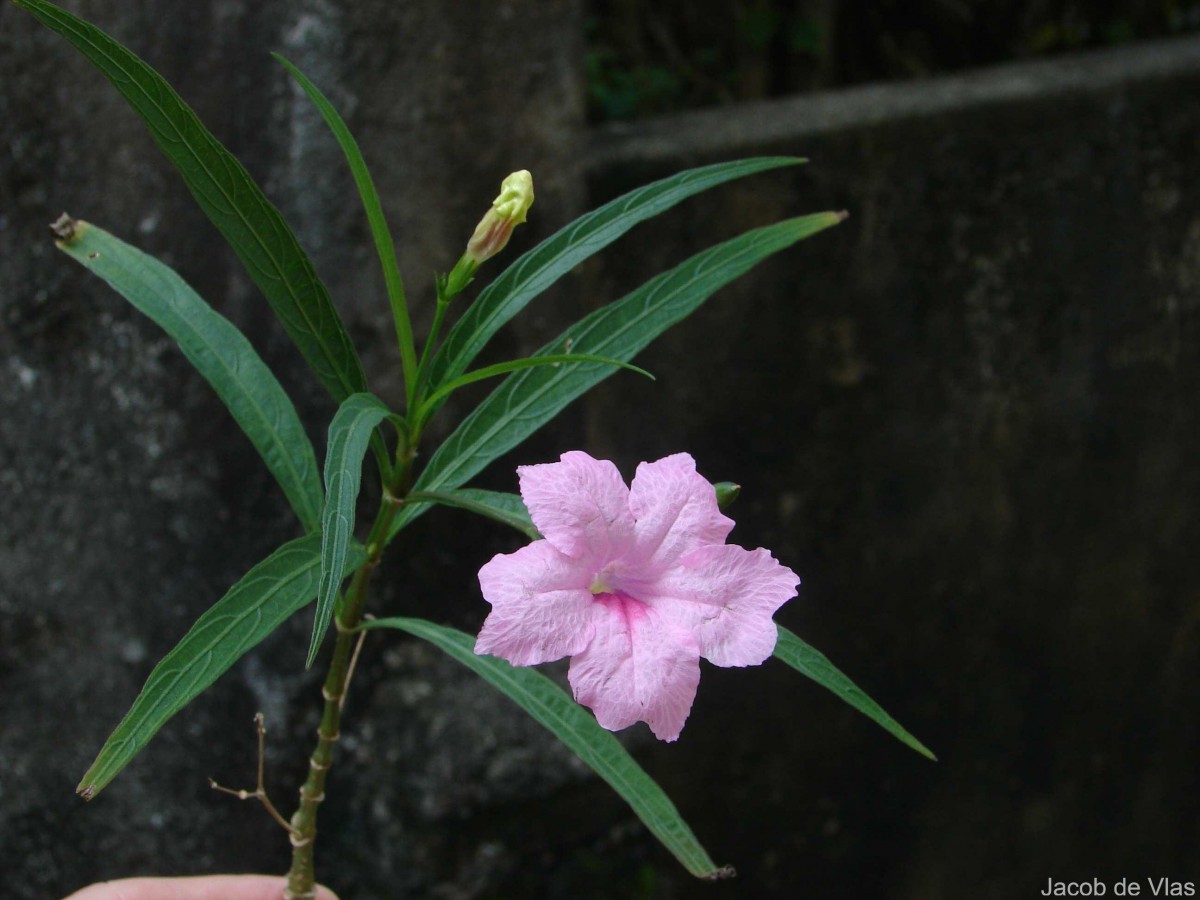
x: 966, y: 417
x: 969, y: 415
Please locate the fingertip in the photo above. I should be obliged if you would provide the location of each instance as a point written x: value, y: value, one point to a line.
x: 207, y: 887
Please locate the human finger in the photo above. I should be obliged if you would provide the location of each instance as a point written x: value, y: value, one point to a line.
x: 206, y: 887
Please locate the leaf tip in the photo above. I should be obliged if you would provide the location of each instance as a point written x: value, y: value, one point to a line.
x: 842, y: 215
x: 724, y: 873
x: 727, y: 492
x: 64, y: 229
x: 318, y: 635
x: 87, y: 790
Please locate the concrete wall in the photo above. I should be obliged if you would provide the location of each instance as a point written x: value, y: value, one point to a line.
x: 966, y: 417
x: 969, y: 417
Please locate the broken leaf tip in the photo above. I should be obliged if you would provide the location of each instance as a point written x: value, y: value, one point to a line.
x: 722, y: 874
x: 63, y: 228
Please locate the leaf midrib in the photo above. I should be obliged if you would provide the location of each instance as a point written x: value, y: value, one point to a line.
x: 229, y: 371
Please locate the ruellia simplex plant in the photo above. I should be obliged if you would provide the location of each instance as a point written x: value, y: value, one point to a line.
x: 635, y: 583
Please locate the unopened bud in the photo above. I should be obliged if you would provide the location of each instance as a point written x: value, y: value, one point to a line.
x: 507, y: 212
x: 493, y: 231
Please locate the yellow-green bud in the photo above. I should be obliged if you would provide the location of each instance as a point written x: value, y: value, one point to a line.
x: 507, y: 212
x: 494, y: 229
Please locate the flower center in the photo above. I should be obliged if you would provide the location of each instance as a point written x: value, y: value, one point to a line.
x: 609, y: 579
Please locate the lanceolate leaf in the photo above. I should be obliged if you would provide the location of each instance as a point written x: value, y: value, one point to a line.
x: 508, y: 509
x: 553, y: 707
x: 254, y: 607
x: 536, y: 270
x: 228, y: 195
x: 349, y: 434
x: 220, y: 353
x: 374, y: 209
x: 528, y: 399
x: 811, y: 662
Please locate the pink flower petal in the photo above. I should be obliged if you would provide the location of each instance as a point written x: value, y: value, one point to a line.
x: 725, y: 596
x: 542, y: 609
x: 635, y: 585
x: 676, y: 512
x: 580, y: 504
x: 637, y: 668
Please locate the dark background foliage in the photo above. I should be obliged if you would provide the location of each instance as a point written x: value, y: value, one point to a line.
x: 645, y: 58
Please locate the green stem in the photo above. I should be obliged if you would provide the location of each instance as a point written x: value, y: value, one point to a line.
x: 379, y: 448
x: 439, y: 313
x: 301, y: 883
x: 404, y: 335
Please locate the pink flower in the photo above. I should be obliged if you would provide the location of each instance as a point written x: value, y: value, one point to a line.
x: 635, y: 584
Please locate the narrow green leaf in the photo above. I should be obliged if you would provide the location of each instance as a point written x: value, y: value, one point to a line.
x: 220, y: 353
x: 380, y: 232
x: 537, y: 270
x: 526, y: 400
x: 230, y: 198
x: 349, y: 433
x: 254, y: 607
x: 553, y: 708
x: 508, y: 509
x: 807, y: 660
x: 556, y: 359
